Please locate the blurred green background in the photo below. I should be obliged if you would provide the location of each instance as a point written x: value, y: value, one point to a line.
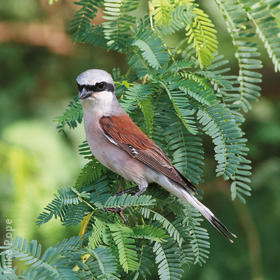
x: 38, y: 67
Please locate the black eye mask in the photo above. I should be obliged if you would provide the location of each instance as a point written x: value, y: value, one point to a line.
x: 97, y: 87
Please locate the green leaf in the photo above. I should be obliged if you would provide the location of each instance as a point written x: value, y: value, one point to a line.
x: 199, y: 238
x: 106, y: 262
x: 267, y: 26
x: 126, y: 246
x: 166, y: 224
x: 167, y: 259
x: 71, y: 117
x: 149, y: 232
x: 50, y: 264
x: 127, y: 200
x: 96, y: 237
x: 202, y: 34
x: 118, y: 23
x: 152, y: 48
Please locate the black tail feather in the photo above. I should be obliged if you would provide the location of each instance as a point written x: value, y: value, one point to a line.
x: 187, y: 196
x: 222, y: 229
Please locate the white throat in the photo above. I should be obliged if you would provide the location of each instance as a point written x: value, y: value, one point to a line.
x: 100, y: 104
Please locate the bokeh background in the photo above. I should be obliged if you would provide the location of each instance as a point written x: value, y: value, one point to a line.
x: 38, y: 67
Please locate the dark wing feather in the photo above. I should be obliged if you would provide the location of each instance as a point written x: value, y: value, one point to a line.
x: 130, y: 138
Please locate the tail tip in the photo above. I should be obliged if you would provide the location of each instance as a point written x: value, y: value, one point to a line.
x: 222, y: 229
x: 233, y: 235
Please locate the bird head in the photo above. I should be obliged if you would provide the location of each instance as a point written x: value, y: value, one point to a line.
x: 95, y: 85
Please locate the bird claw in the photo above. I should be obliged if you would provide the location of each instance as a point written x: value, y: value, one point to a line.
x: 126, y: 191
x: 119, y: 211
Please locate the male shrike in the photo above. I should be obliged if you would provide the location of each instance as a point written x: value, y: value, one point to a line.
x: 119, y: 144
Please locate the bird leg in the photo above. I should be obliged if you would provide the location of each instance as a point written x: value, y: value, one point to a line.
x: 141, y: 189
x: 126, y: 191
x: 119, y: 211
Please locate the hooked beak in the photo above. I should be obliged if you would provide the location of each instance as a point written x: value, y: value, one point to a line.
x: 84, y: 94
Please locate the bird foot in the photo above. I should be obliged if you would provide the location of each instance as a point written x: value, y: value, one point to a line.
x: 126, y: 191
x: 141, y: 189
x: 118, y: 211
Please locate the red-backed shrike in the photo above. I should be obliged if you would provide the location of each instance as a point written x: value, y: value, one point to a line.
x: 119, y: 144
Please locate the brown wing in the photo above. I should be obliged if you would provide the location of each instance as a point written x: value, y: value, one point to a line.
x: 130, y: 138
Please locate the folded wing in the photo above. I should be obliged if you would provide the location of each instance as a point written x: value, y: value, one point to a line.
x: 123, y: 132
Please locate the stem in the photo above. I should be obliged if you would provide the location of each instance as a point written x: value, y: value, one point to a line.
x: 150, y: 11
x: 88, y: 204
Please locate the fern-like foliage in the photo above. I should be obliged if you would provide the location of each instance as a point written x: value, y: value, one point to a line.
x: 176, y: 95
x: 50, y: 264
x: 199, y: 244
x: 247, y: 54
x: 219, y: 124
x: 106, y: 267
x: 173, y: 232
x: 178, y: 18
x: 136, y: 95
x: 126, y: 246
x: 266, y: 23
x: 72, y: 116
x: 202, y: 34
x: 90, y: 173
x: 152, y: 49
x: 167, y: 261
x: 186, y: 150
x: 145, y: 259
x: 118, y: 23
x: 126, y: 200
x: 182, y: 107
x: 171, y: 16
x: 56, y: 208
x: 81, y: 23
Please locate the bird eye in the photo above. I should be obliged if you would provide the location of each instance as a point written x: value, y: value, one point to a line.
x: 100, y: 86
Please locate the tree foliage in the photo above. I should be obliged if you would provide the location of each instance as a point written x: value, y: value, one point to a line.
x: 176, y: 95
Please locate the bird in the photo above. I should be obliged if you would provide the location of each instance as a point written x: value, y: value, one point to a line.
x: 121, y: 146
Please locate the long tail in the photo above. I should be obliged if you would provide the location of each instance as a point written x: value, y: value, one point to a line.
x: 207, y: 213
x: 188, y: 197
